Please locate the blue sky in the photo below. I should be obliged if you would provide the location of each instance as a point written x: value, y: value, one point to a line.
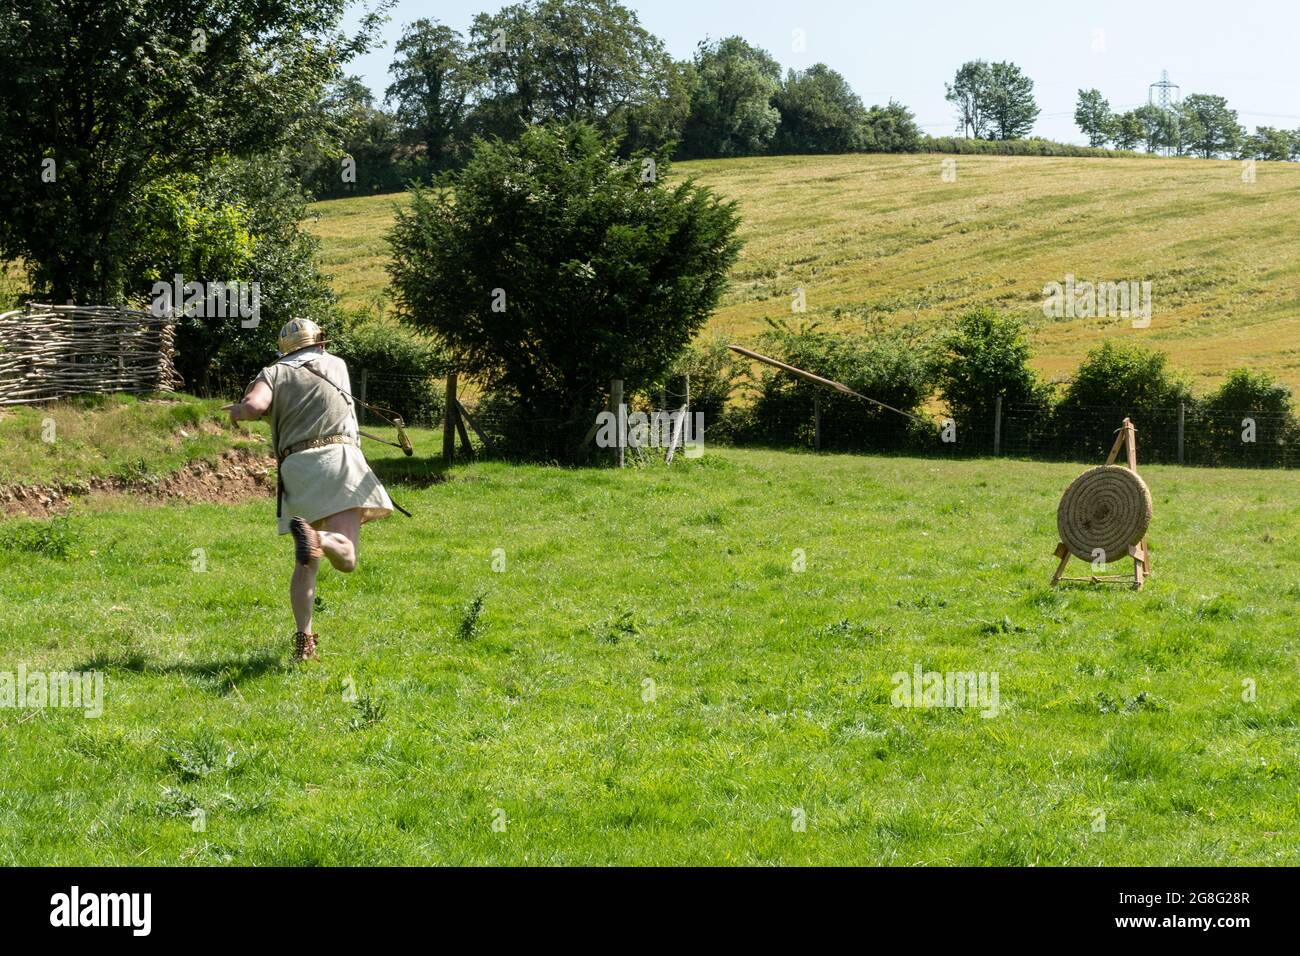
x: 907, y: 49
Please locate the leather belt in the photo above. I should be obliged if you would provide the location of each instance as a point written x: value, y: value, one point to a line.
x: 317, y: 443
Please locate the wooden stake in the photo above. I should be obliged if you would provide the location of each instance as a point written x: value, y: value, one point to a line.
x: 449, y: 422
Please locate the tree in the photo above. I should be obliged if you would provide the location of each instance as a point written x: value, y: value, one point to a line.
x: 890, y: 129
x: 574, y: 60
x: 1129, y: 133
x: 984, y: 357
x: 731, y: 111
x: 433, y: 80
x: 1267, y: 143
x: 117, y: 96
x: 240, y: 222
x: 1093, y: 116
x: 1011, y: 108
x: 363, y: 156
x: 820, y: 113
x: 547, y: 266
x: 1159, y: 127
x: 1209, y: 128
x: 969, y: 92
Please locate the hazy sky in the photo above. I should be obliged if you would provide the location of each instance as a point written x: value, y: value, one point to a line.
x: 907, y: 49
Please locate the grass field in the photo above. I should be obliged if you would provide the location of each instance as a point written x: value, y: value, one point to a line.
x: 886, y: 237
x: 651, y: 681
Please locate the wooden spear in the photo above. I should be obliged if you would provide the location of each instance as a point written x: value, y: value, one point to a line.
x: 817, y: 379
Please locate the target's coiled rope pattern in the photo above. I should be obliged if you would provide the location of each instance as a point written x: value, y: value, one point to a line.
x: 1106, y: 510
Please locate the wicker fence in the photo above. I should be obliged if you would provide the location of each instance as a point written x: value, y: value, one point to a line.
x: 55, y: 351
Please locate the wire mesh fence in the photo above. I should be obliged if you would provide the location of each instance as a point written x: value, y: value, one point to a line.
x: 1187, y: 434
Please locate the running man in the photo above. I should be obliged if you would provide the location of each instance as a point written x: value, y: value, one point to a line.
x: 326, y: 490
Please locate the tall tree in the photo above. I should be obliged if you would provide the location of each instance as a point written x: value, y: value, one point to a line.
x: 1159, y: 128
x: 118, y: 95
x: 364, y: 156
x: 731, y: 104
x: 555, y: 267
x: 1093, y: 117
x: 1129, y: 133
x: 1011, y: 110
x: 969, y: 93
x: 1209, y: 128
x: 890, y: 129
x: 433, y: 80
x: 820, y: 113
x: 585, y: 61
x: 1268, y: 143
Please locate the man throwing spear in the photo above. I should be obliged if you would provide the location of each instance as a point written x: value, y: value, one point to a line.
x: 326, y: 489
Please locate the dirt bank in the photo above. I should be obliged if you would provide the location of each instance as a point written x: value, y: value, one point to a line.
x: 238, y: 475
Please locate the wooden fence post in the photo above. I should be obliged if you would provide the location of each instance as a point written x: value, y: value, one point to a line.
x: 817, y: 422
x: 616, y: 406
x: 997, y: 427
x: 1182, y: 421
x: 449, y: 419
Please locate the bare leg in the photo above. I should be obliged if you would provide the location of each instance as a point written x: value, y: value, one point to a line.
x: 302, y: 593
x: 340, y: 538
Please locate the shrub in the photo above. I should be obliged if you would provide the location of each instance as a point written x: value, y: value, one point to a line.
x: 1117, y: 381
x: 220, y: 354
x: 1244, y: 421
x: 890, y: 366
x: 714, y: 375
x: 890, y: 129
x: 547, y: 266
x: 402, y: 367
x: 983, y: 357
x: 1013, y: 147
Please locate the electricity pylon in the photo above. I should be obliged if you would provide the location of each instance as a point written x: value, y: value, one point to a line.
x: 1166, y: 96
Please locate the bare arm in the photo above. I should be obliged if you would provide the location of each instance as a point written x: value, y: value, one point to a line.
x: 254, y: 405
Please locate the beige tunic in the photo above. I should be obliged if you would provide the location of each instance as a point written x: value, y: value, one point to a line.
x: 319, y: 482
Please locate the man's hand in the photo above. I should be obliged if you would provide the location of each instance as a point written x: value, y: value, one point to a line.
x: 235, y: 409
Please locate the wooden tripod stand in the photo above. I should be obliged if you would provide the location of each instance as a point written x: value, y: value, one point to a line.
x: 1127, y: 438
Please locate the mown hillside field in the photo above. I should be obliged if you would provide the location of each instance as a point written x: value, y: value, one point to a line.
x: 885, y: 237
x: 690, y: 665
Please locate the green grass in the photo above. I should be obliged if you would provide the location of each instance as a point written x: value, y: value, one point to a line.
x: 427, y: 720
x: 885, y: 237
x: 113, y: 436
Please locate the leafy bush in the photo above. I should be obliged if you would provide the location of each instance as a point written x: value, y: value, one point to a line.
x: 714, y: 376
x: 1244, y: 421
x: 1117, y: 381
x: 548, y: 266
x: 1013, y: 147
x: 892, y: 366
x: 402, y: 367
x: 983, y: 357
x: 890, y: 129
x: 220, y: 354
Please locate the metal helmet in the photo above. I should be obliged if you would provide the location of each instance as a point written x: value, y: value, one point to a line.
x: 299, y: 334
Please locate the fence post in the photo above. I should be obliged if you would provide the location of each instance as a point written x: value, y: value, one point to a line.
x: 817, y: 422
x: 1182, y: 418
x: 449, y: 422
x: 997, y: 427
x: 361, y: 398
x: 616, y: 406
